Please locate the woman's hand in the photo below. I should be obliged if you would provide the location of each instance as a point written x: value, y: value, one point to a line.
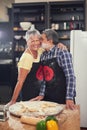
x: 38, y: 98
x: 9, y: 104
x: 70, y: 104
x: 62, y: 46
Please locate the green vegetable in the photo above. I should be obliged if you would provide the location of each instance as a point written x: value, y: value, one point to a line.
x: 51, y: 118
x: 41, y: 125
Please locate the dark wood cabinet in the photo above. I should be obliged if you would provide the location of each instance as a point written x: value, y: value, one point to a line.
x: 61, y: 16
x: 67, y: 16
x: 36, y: 13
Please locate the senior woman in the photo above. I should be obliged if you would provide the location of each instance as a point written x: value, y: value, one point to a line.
x: 28, y: 67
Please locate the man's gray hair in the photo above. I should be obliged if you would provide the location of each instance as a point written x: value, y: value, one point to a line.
x: 51, y: 35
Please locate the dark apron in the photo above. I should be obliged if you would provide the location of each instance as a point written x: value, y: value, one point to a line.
x: 31, y: 86
x: 55, y: 81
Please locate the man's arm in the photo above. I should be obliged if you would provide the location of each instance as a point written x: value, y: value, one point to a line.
x: 67, y: 66
x: 41, y: 93
x: 62, y: 46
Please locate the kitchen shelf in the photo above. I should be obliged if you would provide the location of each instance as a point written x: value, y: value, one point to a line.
x: 67, y: 16
x: 59, y: 21
x: 30, y: 12
x: 60, y: 16
x: 63, y: 38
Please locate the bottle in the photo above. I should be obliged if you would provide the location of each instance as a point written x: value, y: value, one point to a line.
x: 17, y: 47
x: 71, y: 26
x: 67, y: 26
x: 81, y: 27
x: 64, y: 25
x: 77, y: 26
x: 42, y: 16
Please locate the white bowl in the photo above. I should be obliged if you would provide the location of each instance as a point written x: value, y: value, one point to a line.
x: 17, y: 37
x: 25, y: 25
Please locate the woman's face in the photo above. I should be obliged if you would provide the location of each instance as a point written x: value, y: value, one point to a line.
x: 34, y: 42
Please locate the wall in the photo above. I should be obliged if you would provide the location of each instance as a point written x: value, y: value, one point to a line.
x: 4, y: 5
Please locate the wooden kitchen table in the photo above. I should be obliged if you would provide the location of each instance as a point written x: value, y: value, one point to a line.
x: 71, y: 122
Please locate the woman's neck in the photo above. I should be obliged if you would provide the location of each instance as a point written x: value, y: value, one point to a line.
x: 34, y: 53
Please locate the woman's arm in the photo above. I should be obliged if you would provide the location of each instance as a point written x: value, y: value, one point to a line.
x: 22, y: 74
x: 62, y: 46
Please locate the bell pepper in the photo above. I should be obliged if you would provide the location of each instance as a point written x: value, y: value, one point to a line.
x: 41, y: 125
x: 51, y: 118
x: 52, y: 125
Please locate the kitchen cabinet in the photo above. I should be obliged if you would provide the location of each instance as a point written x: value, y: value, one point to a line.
x: 30, y: 12
x: 67, y: 16
x: 61, y: 16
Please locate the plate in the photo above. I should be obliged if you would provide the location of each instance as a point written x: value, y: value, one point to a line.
x: 35, y: 108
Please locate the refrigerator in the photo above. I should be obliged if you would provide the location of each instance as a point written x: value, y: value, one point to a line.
x: 78, y: 49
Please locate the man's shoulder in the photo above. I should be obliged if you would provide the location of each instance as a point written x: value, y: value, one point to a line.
x: 60, y: 51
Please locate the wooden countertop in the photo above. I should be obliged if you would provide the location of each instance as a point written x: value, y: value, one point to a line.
x: 72, y: 122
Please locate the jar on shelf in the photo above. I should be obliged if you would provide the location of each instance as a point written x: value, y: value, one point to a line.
x: 56, y: 26
x: 53, y: 25
x: 73, y: 18
x: 77, y: 17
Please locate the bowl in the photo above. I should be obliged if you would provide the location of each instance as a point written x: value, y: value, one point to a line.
x: 17, y: 37
x: 25, y: 25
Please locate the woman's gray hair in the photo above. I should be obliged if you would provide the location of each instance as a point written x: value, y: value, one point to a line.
x: 32, y: 32
x: 51, y: 35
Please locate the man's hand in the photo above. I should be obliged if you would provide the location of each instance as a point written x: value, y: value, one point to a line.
x: 62, y: 46
x: 70, y: 104
x: 38, y: 98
